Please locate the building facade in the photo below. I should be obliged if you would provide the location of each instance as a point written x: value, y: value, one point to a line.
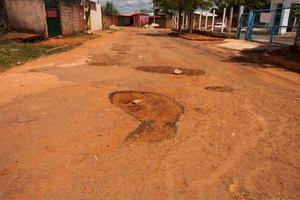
x: 284, y: 15
x: 50, y: 18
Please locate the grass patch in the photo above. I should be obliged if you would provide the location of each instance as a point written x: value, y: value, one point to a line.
x: 12, y: 53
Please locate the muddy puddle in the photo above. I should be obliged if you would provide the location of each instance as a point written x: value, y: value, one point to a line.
x: 171, y: 70
x: 226, y: 89
x: 157, y: 114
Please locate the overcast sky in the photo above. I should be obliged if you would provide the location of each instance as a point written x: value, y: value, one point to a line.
x: 125, y: 6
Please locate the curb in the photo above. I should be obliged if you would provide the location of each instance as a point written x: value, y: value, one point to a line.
x: 202, y: 39
x: 63, y: 48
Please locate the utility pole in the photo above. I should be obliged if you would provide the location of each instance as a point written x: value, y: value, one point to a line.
x: 230, y: 20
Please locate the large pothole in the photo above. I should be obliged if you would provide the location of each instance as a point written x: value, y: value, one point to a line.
x: 171, y: 70
x: 158, y: 115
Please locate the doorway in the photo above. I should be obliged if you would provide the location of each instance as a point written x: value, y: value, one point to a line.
x: 53, y: 18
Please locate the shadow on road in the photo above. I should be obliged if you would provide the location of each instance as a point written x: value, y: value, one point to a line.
x: 154, y: 34
x: 269, y: 57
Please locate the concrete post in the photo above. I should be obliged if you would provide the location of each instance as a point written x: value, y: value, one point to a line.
x: 241, y: 12
x: 295, y: 22
x: 178, y: 21
x: 285, y: 14
x: 213, y: 21
x: 273, y: 13
x: 186, y: 21
x: 230, y: 20
x: 223, y: 21
x: 194, y: 21
x: 183, y: 20
x: 206, y: 19
x: 200, y: 20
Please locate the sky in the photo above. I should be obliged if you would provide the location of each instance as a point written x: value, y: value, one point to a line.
x: 127, y: 6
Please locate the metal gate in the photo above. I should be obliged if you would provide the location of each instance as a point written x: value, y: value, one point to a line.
x: 278, y: 27
x: 53, y: 18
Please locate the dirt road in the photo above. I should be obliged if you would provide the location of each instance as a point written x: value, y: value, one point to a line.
x: 137, y: 114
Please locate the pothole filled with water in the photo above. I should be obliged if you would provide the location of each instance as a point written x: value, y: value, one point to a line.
x: 171, y: 70
x: 226, y: 89
x: 158, y: 115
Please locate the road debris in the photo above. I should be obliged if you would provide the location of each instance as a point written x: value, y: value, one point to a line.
x: 178, y: 71
x: 137, y: 101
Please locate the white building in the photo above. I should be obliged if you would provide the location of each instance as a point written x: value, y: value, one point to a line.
x: 95, y: 15
x: 285, y: 14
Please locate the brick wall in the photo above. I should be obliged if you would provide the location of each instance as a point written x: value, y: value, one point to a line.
x: 71, y: 17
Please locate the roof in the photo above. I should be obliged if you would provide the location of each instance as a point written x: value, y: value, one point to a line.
x: 204, y: 13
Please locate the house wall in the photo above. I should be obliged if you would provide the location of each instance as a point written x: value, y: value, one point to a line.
x: 139, y: 20
x: 96, y: 17
x: 107, y: 21
x: 27, y: 16
x: 71, y: 17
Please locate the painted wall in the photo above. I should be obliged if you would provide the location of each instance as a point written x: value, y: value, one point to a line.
x: 96, y: 16
x: 27, y: 16
x: 139, y: 19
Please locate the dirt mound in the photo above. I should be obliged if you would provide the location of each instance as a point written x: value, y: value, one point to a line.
x: 158, y: 115
x: 114, y: 27
x: 171, y: 70
x: 220, y: 89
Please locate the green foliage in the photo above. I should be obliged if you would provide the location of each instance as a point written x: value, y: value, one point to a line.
x: 187, y: 6
x: 180, y: 6
x: 11, y: 52
x: 295, y: 11
x: 109, y: 9
x: 249, y: 4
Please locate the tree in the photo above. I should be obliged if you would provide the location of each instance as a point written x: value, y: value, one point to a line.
x: 180, y: 6
x: 109, y: 9
x: 172, y: 5
x: 191, y: 6
x: 249, y: 4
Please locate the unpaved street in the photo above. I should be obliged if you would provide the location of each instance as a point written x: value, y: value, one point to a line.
x: 111, y: 120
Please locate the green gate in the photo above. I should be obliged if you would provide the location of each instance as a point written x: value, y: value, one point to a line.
x: 53, y: 18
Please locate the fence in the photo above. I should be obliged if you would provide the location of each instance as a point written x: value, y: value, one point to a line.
x: 278, y: 26
x: 208, y: 21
